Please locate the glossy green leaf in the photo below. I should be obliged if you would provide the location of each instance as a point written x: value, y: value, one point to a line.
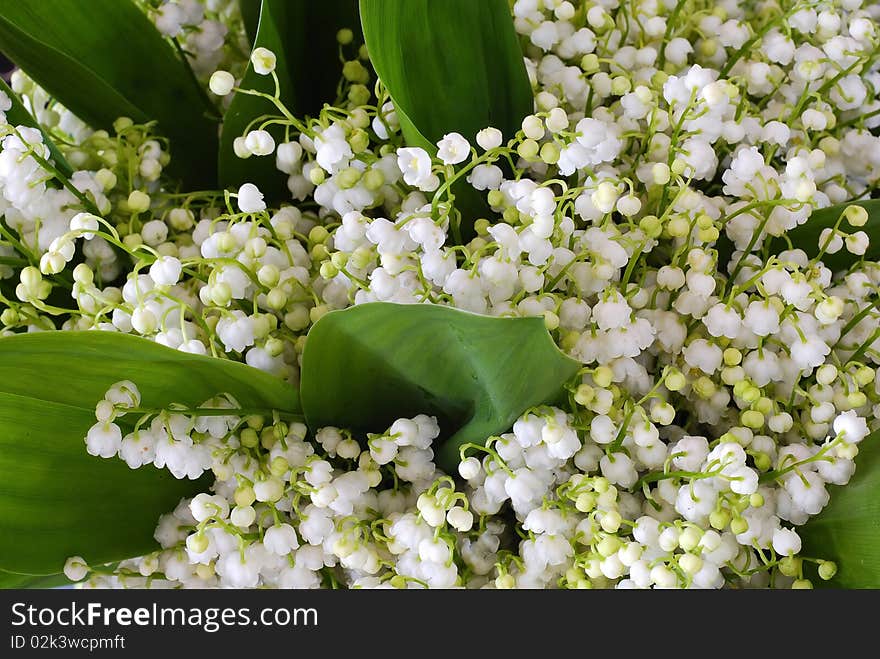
x: 302, y: 34
x: 56, y: 500
x: 366, y: 366
x: 806, y: 236
x: 18, y: 115
x: 104, y: 59
x: 847, y: 531
x: 449, y: 65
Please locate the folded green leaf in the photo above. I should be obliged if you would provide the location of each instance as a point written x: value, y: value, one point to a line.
x: 848, y: 530
x: 55, y: 499
x: 18, y: 115
x: 302, y: 34
x: 449, y: 65
x: 806, y: 236
x: 366, y: 366
x: 92, y: 55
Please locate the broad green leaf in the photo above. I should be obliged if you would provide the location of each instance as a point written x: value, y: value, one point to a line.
x: 18, y: 115
x: 56, y: 500
x: 847, y: 531
x: 302, y: 34
x: 806, y: 236
x: 104, y: 59
x: 449, y: 65
x: 366, y: 366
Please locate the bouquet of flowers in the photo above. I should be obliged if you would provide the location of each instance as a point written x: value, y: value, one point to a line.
x: 440, y: 293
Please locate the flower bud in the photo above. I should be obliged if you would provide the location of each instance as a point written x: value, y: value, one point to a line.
x: 138, y: 201
x: 221, y: 83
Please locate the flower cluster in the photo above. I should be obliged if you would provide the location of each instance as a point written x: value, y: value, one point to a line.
x: 292, y: 512
x: 644, y: 211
